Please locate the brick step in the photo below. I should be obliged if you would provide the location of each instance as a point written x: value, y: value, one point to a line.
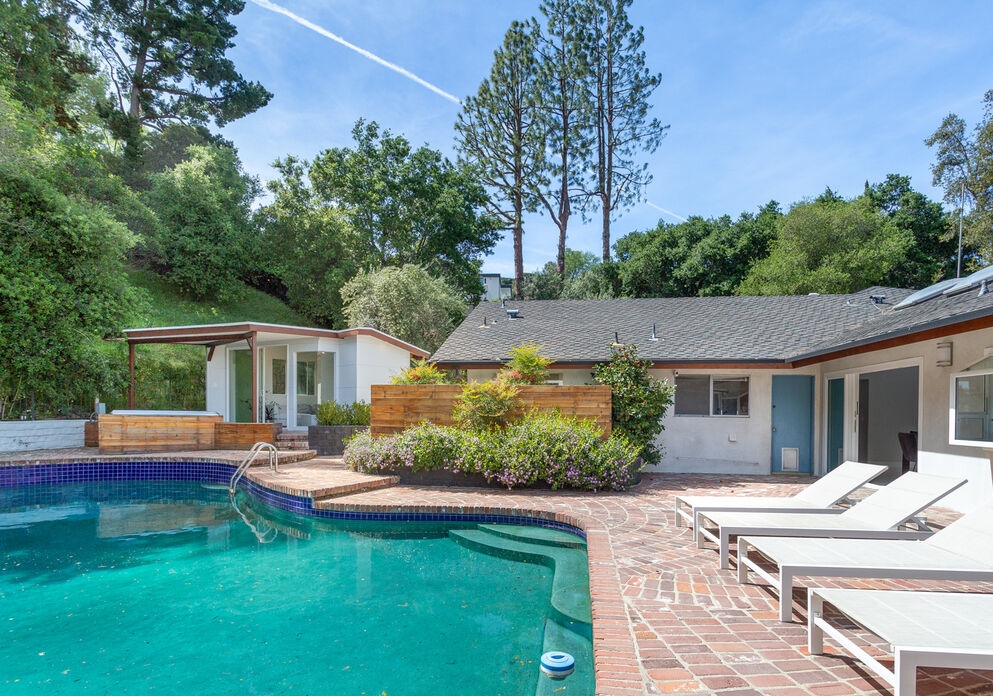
x: 292, y: 435
x: 293, y: 446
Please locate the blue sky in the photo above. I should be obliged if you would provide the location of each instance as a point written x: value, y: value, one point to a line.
x: 765, y: 100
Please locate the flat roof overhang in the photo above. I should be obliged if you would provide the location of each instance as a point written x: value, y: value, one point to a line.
x: 223, y: 334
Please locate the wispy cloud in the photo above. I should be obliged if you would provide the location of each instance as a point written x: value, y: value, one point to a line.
x: 667, y: 212
x: 273, y: 7
x: 834, y: 17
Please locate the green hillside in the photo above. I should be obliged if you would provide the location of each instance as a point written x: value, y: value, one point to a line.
x: 166, y: 307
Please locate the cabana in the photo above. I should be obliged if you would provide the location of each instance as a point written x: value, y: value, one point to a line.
x: 268, y: 372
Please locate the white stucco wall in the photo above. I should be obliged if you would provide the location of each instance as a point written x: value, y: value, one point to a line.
x: 217, y: 386
x: 935, y: 454
x: 376, y: 362
x: 19, y: 436
x: 347, y: 368
x: 720, y: 444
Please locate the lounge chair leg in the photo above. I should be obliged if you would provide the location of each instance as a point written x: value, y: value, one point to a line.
x: 742, y: 555
x: 786, y: 597
x: 905, y: 671
x: 815, y: 634
x: 725, y: 548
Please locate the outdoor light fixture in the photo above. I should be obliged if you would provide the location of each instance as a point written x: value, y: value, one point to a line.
x: 944, y: 357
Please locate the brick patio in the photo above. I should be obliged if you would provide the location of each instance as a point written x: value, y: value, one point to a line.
x: 666, y: 619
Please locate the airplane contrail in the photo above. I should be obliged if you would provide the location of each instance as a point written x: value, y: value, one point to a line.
x: 273, y: 7
x: 667, y: 212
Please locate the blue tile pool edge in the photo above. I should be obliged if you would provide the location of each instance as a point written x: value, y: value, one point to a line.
x: 218, y: 472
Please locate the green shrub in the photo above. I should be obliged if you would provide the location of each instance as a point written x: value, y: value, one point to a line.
x: 526, y: 365
x: 639, y: 402
x: 486, y: 405
x: 422, y: 372
x: 542, y: 448
x: 333, y: 413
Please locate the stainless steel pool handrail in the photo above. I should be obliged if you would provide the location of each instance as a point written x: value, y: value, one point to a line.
x: 250, y: 457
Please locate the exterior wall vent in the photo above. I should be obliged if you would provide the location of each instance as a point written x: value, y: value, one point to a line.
x: 791, y: 459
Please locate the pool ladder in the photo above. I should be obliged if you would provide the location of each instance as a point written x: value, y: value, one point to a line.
x: 257, y: 448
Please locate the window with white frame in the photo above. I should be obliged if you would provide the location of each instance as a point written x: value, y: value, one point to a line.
x: 709, y: 395
x: 972, y: 405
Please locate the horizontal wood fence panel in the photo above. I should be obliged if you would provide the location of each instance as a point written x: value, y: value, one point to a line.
x: 243, y: 435
x: 127, y: 433
x: 399, y: 406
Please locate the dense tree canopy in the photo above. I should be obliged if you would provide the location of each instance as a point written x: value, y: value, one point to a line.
x: 931, y: 255
x: 696, y: 257
x: 167, y: 63
x: 206, y: 238
x: 404, y: 302
x: 829, y: 246
x: 308, y: 245
x: 41, y: 58
x: 62, y: 281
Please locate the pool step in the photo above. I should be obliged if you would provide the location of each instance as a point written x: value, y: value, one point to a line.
x: 570, y: 599
x: 545, y: 536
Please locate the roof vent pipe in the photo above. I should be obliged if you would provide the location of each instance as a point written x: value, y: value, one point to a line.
x: 512, y: 313
x: 655, y: 336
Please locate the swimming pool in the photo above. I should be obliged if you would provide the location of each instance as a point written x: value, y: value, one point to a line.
x: 164, y: 585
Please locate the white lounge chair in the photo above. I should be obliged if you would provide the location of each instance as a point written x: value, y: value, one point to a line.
x: 961, y: 551
x: 819, y: 496
x: 926, y: 629
x: 876, y: 517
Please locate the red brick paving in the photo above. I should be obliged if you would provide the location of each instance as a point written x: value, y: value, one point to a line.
x: 666, y: 620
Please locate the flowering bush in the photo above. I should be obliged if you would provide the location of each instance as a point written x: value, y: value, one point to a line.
x: 526, y: 365
x: 540, y: 449
x: 422, y: 372
x: 639, y: 402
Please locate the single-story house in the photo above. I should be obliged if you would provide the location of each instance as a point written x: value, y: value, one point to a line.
x: 289, y: 370
x: 783, y: 384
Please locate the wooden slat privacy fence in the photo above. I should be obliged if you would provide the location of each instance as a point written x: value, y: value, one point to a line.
x: 238, y: 436
x: 398, y: 406
x: 139, y: 433
x: 131, y: 433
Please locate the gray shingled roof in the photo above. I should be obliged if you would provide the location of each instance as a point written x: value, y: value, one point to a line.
x: 700, y: 329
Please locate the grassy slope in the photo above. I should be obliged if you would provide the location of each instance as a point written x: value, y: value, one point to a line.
x: 166, y: 307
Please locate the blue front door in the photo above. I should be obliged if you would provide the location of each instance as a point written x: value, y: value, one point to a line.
x: 793, y: 423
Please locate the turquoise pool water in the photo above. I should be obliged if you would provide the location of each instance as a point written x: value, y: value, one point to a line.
x: 178, y: 594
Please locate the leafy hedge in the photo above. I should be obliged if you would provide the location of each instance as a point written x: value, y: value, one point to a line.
x: 540, y: 449
x: 333, y: 413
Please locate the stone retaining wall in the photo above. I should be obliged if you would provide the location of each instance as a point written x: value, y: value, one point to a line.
x: 18, y: 436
